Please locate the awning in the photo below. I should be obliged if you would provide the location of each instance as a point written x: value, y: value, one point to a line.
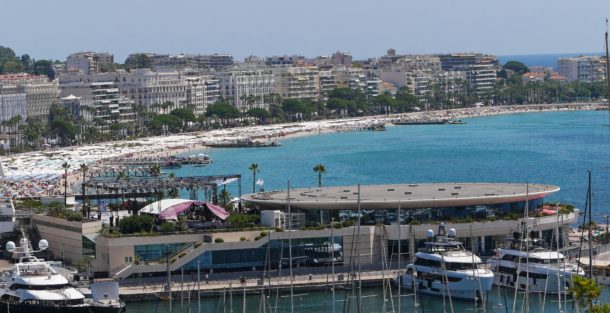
x: 169, y: 209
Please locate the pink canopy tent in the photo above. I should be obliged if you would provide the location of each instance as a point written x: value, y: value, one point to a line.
x: 171, y: 213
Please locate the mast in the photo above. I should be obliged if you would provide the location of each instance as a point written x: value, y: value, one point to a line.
x: 332, y: 258
x: 399, y: 257
x: 607, y: 70
x: 169, y: 279
x: 589, y: 227
x: 290, y: 249
x: 359, y: 259
x: 198, y: 289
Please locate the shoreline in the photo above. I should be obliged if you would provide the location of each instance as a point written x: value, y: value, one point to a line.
x: 44, y: 167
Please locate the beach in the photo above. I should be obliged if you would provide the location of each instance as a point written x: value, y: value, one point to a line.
x: 38, y: 173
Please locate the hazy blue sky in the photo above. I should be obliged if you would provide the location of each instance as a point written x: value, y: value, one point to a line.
x: 56, y: 28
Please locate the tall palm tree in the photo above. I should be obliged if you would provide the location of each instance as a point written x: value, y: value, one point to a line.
x: 254, y: 168
x: 65, y: 166
x: 84, y: 168
x: 320, y: 169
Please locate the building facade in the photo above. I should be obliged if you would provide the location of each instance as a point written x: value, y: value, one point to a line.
x: 202, y: 90
x: 299, y: 82
x: 157, y: 90
x: 39, y: 92
x: 247, y: 88
x: 90, y: 62
x: 582, y: 68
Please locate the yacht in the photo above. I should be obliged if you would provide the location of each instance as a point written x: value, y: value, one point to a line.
x: 445, y: 268
x: 33, y: 285
x: 532, y: 266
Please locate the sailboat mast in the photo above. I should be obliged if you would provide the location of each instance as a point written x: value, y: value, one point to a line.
x: 589, y: 227
x: 399, y: 258
x: 290, y: 249
x: 607, y: 70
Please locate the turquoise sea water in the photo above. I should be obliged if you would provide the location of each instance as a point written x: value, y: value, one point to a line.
x: 550, y: 148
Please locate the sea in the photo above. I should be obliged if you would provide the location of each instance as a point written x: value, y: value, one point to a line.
x: 546, y: 60
x: 557, y: 148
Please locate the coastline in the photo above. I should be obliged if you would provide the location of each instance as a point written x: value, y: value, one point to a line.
x: 46, y: 165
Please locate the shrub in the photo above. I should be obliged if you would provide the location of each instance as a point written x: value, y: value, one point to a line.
x: 167, y: 227
x: 239, y: 220
x: 218, y: 240
x: 69, y: 215
x: 347, y: 223
x: 242, y: 238
x: 135, y: 224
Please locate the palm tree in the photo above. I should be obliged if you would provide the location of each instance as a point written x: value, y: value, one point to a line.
x: 84, y: 168
x: 254, y: 168
x: 65, y: 166
x: 154, y: 170
x: 320, y: 169
x: 585, y: 291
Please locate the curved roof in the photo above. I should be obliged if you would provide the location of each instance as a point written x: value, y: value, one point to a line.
x: 408, y: 195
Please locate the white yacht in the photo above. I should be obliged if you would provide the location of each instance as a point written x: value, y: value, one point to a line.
x: 32, y: 285
x: 533, y: 267
x: 445, y: 268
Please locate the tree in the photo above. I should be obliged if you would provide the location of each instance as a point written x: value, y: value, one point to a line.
x: 516, y: 67
x: 320, y: 169
x: 12, y: 66
x: 185, y: 115
x: 223, y: 110
x: 254, y: 168
x: 44, y: 67
x: 585, y: 291
x: 65, y: 166
x: 139, y: 60
x: 259, y: 113
x: 6, y: 53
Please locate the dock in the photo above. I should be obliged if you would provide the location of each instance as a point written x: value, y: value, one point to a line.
x: 211, y: 288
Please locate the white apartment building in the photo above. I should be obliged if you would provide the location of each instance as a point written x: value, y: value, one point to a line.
x: 98, y: 101
x: 11, y: 105
x: 151, y: 89
x: 202, y: 90
x: 39, y: 91
x: 90, y: 62
x: 480, y: 69
x: 301, y: 82
x: 328, y: 82
x: 239, y: 83
x: 583, y: 68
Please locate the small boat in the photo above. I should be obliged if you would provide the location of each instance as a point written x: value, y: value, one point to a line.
x: 445, y: 268
x: 455, y: 122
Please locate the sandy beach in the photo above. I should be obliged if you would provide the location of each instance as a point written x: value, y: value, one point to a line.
x: 32, y: 173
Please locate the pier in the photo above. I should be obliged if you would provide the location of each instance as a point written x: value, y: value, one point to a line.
x: 145, y: 290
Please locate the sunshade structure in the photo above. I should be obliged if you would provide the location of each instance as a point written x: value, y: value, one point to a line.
x: 169, y: 209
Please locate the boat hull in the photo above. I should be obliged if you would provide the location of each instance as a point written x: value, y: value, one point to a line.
x: 29, y: 308
x: 535, y: 282
x: 465, y: 289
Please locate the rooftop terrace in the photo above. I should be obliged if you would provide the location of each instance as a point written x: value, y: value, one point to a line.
x: 407, y: 195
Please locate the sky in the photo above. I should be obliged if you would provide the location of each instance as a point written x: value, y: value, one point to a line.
x: 53, y: 29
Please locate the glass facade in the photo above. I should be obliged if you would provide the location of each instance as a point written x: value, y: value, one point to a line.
x: 424, y: 215
x: 157, y: 251
x: 274, y: 254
